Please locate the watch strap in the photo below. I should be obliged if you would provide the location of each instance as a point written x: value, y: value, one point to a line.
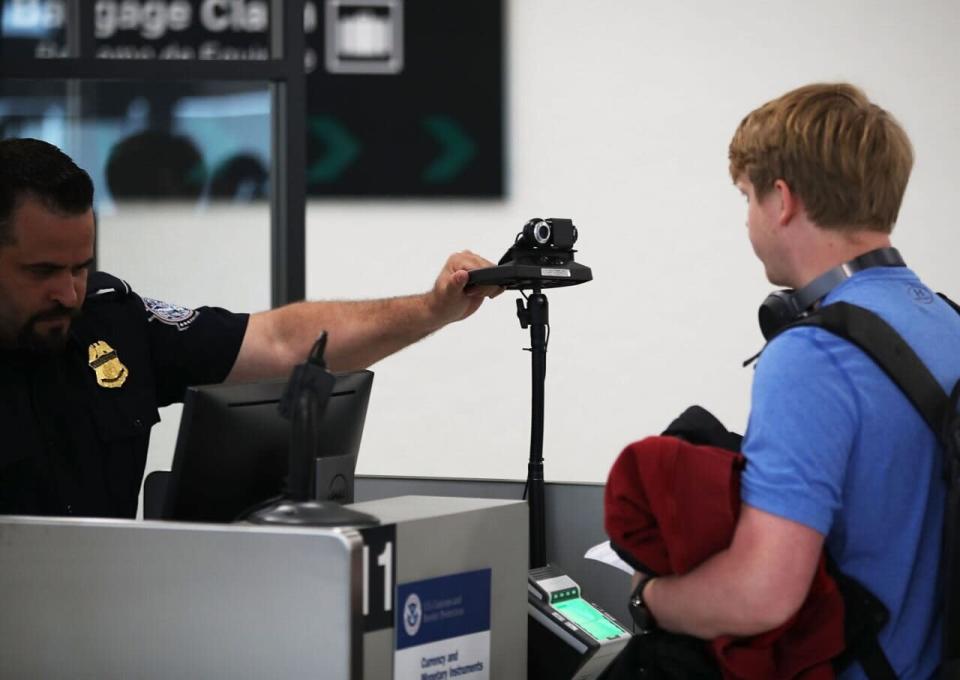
x: 641, y: 614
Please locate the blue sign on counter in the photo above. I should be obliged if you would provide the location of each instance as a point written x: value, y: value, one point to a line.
x: 443, y: 628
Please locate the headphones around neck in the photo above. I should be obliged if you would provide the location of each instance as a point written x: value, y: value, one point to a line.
x: 784, y: 306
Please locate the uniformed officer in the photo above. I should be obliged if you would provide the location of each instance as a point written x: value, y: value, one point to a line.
x: 85, y: 362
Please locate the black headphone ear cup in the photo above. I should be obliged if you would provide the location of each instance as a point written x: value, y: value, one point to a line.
x: 784, y: 306
x: 779, y: 309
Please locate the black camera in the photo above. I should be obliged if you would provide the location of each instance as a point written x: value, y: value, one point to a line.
x: 554, y: 232
x: 541, y: 257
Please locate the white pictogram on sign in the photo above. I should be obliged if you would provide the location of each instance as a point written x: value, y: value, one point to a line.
x: 364, y: 36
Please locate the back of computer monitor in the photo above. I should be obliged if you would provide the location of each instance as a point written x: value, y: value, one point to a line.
x: 233, y: 447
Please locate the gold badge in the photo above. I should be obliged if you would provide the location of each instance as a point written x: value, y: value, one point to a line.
x: 106, y: 364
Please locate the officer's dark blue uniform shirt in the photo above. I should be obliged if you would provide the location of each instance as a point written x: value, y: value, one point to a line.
x: 75, y: 425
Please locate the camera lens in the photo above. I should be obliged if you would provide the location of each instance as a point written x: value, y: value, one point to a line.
x: 541, y: 232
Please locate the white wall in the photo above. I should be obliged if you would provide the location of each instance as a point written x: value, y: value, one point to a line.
x: 619, y: 116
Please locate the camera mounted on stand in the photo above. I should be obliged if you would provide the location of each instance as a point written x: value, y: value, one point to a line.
x: 540, y: 257
x: 568, y: 637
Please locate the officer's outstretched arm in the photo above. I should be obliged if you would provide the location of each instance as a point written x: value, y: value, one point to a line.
x: 360, y: 332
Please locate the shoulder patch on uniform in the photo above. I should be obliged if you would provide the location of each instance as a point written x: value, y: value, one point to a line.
x: 173, y: 315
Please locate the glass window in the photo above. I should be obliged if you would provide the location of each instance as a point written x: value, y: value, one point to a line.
x: 181, y: 172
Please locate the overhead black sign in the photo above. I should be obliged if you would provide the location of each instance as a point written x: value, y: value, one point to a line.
x: 405, y: 97
x: 427, y: 119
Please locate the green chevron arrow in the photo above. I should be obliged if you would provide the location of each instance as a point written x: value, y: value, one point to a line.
x: 457, y: 150
x: 341, y: 149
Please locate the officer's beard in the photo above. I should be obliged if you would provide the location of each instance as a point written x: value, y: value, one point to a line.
x: 53, y: 341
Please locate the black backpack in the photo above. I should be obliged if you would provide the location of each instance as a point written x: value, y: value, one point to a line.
x: 884, y: 345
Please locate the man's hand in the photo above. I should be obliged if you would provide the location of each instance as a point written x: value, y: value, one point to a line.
x: 450, y: 300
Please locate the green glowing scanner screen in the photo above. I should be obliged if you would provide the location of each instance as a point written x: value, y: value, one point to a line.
x: 588, y: 618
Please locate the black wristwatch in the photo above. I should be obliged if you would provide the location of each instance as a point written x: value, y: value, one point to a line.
x: 642, y: 616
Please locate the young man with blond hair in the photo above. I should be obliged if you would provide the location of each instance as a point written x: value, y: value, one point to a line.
x: 837, y: 456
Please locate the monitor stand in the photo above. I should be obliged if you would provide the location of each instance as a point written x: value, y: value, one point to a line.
x: 311, y: 513
x: 333, y: 476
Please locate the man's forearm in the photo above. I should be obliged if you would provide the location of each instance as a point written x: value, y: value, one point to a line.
x: 359, y: 333
x: 710, y: 601
x: 753, y: 586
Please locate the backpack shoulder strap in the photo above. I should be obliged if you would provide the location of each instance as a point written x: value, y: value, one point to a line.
x: 950, y: 561
x: 884, y: 345
x: 950, y: 302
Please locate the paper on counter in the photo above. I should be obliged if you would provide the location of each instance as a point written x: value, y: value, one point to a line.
x: 602, y: 552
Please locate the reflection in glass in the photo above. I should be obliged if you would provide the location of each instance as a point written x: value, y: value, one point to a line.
x: 32, y: 29
x: 181, y: 172
x: 196, y: 141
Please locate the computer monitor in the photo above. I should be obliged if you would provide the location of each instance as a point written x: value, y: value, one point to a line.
x: 233, y: 447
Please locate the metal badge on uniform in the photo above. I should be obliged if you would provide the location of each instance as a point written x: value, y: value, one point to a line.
x: 173, y: 315
x: 106, y: 365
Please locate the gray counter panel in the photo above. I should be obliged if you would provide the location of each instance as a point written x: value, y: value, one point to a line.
x: 111, y: 599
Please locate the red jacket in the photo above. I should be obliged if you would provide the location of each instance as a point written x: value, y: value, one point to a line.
x: 670, y: 505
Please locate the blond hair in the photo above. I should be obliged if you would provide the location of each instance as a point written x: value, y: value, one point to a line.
x: 846, y: 158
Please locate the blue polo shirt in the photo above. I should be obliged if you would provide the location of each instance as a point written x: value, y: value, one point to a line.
x: 833, y: 444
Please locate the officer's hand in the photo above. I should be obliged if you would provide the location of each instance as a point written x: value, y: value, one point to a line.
x: 450, y: 299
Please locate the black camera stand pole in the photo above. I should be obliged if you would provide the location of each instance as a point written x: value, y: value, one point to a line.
x: 535, y: 314
x: 540, y: 257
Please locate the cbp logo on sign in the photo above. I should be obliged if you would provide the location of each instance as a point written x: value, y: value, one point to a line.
x: 412, y: 614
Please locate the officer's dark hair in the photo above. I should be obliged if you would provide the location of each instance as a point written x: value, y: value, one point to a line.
x: 31, y: 167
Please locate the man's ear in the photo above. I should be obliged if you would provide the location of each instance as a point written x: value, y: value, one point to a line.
x: 790, y: 203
